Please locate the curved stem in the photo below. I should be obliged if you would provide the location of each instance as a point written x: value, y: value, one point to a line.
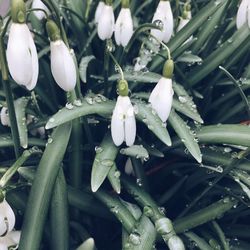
x: 117, y: 65
x: 37, y: 9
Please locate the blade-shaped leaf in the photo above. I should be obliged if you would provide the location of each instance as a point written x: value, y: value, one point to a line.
x: 83, y: 67
x: 137, y: 151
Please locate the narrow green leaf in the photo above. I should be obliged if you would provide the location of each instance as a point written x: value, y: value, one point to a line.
x: 20, y: 109
x: 83, y: 67
x: 114, y: 178
x: 186, y: 135
x: 148, y: 116
x: 103, y: 162
x: 88, y: 244
x: 41, y: 190
x: 200, y: 242
x: 137, y: 151
x: 187, y: 57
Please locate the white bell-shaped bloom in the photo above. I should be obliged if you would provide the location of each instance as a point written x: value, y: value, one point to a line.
x: 22, y: 56
x: 123, y: 125
x: 10, y: 240
x: 4, y: 115
x: 62, y: 65
x: 161, y: 98
x: 243, y: 14
x: 4, y: 7
x: 164, y: 15
x: 98, y: 11
x: 38, y: 4
x: 7, y: 218
x: 123, y: 27
x: 106, y: 23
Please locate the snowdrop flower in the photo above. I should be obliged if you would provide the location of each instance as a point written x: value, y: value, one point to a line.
x: 106, y: 23
x: 7, y: 217
x: 124, y: 26
x: 98, y: 11
x: 21, y: 51
x: 161, y: 97
x: 184, y: 20
x: 10, y: 240
x: 38, y: 4
x: 123, y: 125
x: 4, y: 117
x: 4, y: 7
x: 243, y: 14
x: 62, y: 63
x: 163, y: 14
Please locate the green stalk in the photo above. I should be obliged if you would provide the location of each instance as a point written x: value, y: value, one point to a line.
x: 59, y: 215
x: 201, y: 243
x: 221, y: 235
x: 40, y: 194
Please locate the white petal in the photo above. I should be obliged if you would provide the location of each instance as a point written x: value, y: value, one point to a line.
x: 5, y: 117
x: 129, y: 167
x: 161, y: 98
x: 248, y: 12
x: 18, y: 54
x: 123, y: 27
x: 15, y: 236
x: 182, y: 23
x: 62, y: 65
x: 241, y: 17
x: 7, y: 212
x: 38, y: 4
x: 4, y: 7
x: 130, y: 127
x: 98, y: 11
x: 168, y: 23
x: 106, y: 23
x: 3, y: 226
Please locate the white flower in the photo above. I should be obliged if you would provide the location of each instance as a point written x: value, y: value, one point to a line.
x: 98, y: 11
x: 182, y: 23
x: 4, y: 117
x: 22, y: 56
x: 106, y: 23
x: 123, y: 27
x: 129, y: 167
x: 62, y: 65
x: 4, y: 7
x: 161, y: 98
x: 10, y: 240
x: 38, y: 4
x: 243, y: 14
x: 7, y: 218
x: 163, y: 14
x: 123, y: 125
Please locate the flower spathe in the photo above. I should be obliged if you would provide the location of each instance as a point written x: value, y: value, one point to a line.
x: 123, y: 27
x: 123, y: 124
x: 243, y: 14
x: 62, y: 65
x: 98, y: 11
x: 22, y: 56
x: 106, y: 23
x: 163, y: 14
x: 161, y: 98
x: 38, y: 4
x: 7, y: 218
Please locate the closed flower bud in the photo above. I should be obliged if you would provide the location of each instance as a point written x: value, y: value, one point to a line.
x: 7, y: 218
x: 4, y: 117
x: 106, y: 23
x: 163, y: 14
x: 123, y: 27
x: 161, y: 98
x: 98, y: 11
x: 38, y: 4
x: 243, y: 14
x: 22, y: 56
x: 123, y: 125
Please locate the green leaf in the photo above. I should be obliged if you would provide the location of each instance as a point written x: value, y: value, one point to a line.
x: 137, y: 151
x: 148, y: 116
x: 189, y: 58
x: 83, y: 67
x: 114, y: 178
x: 103, y: 162
x: 186, y: 135
x: 20, y: 109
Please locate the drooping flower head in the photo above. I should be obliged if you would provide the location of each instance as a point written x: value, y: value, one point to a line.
x: 161, y: 97
x: 124, y: 25
x: 38, y: 4
x: 106, y: 22
x: 62, y: 63
x: 123, y: 124
x: 21, y: 52
x: 243, y: 14
x: 164, y: 15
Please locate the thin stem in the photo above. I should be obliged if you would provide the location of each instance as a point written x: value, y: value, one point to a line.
x: 117, y: 65
x: 37, y: 9
x: 221, y: 235
x: 106, y: 68
x: 163, y: 44
x: 243, y: 96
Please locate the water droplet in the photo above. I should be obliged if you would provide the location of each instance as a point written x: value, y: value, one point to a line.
x: 77, y: 103
x: 98, y: 149
x: 69, y: 106
x: 135, y: 238
x: 51, y: 120
x: 117, y: 174
x: 182, y: 99
x: 89, y: 100
x: 159, y: 23
x: 107, y: 163
x: 139, y: 182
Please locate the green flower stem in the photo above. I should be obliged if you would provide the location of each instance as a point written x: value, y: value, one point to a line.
x: 221, y: 235
x: 201, y: 243
x: 117, y: 208
x: 42, y: 187
x: 106, y: 68
x: 18, y: 163
x: 59, y: 214
x: 216, y: 210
